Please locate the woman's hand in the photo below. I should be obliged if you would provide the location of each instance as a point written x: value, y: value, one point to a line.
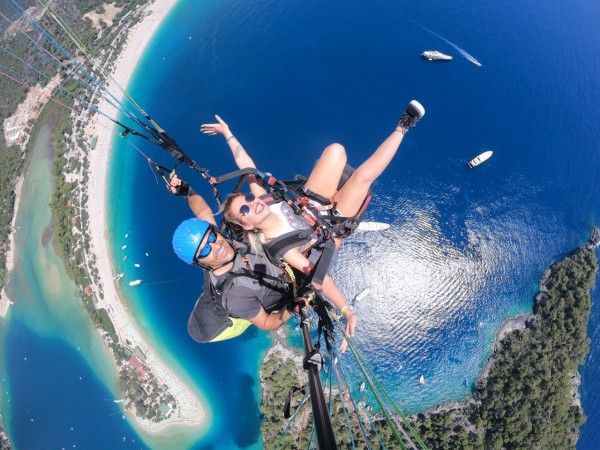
x: 350, y: 326
x: 216, y: 128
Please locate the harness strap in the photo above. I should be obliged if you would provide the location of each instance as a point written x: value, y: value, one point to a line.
x: 321, y: 268
x: 224, y: 284
x: 314, y: 196
x: 282, y: 244
x: 236, y: 174
x: 292, y: 277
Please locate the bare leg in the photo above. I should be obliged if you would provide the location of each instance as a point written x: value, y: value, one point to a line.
x: 326, y: 174
x: 351, y: 196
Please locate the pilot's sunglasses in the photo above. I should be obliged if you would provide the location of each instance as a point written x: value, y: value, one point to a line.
x: 205, y: 251
x: 245, y: 209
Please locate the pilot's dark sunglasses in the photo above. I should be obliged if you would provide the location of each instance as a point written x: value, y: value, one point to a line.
x: 206, y: 249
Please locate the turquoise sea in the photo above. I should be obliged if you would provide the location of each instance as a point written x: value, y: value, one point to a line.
x: 465, y: 250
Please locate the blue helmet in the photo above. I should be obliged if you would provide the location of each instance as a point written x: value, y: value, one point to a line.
x: 187, y: 238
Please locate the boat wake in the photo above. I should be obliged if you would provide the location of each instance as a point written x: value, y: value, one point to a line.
x: 456, y: 47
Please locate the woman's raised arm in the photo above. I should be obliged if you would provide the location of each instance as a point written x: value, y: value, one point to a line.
x: 240, y: 156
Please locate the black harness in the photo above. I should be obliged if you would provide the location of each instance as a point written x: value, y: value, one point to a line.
x: 210, y: 316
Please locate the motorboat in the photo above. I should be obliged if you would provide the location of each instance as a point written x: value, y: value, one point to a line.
x: 135, y: 282
x: 434, y: 55
x: 372, y: 226
x: 480, y: 158
x: 421, y: 379
x: 362, y: 294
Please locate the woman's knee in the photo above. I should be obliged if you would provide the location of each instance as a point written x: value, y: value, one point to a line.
x: 335, y: 151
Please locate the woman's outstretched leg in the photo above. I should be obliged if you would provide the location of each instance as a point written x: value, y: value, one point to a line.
x: 352, y: 194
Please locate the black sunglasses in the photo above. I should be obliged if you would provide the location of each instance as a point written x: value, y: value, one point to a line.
x: 245, y: 209
x: 206, y: 249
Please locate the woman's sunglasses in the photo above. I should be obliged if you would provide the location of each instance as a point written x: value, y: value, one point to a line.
x: 245, y: 209
x: 206, y: 249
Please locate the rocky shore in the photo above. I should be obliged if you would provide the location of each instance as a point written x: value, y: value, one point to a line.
x: 530, y: 383
x: 527, y: 395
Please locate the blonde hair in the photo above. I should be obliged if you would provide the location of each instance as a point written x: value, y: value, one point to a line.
x: 233, y: 220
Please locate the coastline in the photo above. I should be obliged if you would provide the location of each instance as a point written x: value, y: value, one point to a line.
x: 5, y: 300
x: 188, y: 411
x: 522, y: 378
x: 515, y: 371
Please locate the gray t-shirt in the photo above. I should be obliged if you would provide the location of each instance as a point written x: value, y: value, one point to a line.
x: 249, y: 292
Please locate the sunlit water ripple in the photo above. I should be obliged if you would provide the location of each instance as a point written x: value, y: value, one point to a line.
x: 437, y: 289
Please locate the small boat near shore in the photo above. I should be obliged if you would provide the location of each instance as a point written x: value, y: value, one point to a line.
x: 421, y: 379
x: 362, y: 294
x: 480, y: 158
x: 434, y: 55
x: 135, y: 282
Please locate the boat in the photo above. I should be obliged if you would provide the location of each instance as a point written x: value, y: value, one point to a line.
x: 119, y: 276
x: 466, y: 382
x: 421, y: 379
x: 362, y: 294
x: 135, y: 282
x: 434, y: 55
x: 362, y: 386
x: 372, y: 226
x: 480, y: 158
x: 123, y: 247
x: 121, y: 400
x: 136, y: 265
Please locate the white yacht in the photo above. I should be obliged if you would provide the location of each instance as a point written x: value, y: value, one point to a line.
x: 135, y: 282
x: 480, y: 158
x: 432, y: 55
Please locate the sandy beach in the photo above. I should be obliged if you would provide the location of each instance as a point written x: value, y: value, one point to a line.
x: 5, y: 301
x: 188, y: 410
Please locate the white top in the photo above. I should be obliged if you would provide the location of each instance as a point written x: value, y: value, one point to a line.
x: 290, y: 221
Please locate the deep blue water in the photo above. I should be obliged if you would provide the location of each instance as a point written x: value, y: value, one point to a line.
x: 61, y: 402
x: 466, y: 248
